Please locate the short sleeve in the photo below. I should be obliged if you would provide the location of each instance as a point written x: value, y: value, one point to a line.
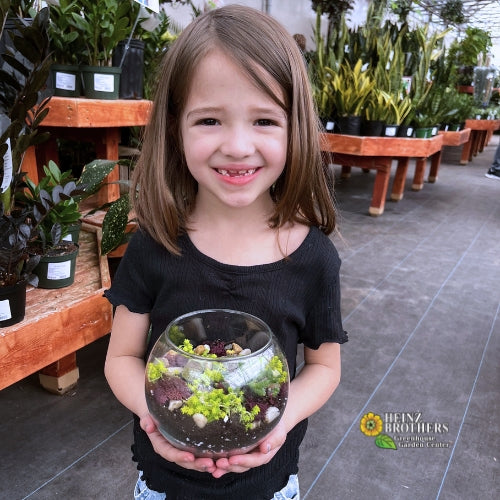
x: 324, y: 318
x: 133, y: 284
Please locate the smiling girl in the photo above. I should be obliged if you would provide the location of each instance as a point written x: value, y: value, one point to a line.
x: 234, y: 212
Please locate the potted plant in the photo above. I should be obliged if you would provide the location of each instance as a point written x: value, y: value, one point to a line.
x: 101, y: 25
x: 16, y: 264
x: 352, y: 87
x: 65, y: 45
x: 55, y: 204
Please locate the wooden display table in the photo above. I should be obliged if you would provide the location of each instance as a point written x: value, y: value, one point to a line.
x: 481, y: 132
x: 59, y: 322
x: 91, y: 120
x: 377, y: 153
x: 450, y: 138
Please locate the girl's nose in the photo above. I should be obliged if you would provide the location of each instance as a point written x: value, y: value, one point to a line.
x: 237, y: 142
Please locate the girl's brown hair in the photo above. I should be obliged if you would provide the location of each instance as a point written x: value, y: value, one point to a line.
x: 165, y: 190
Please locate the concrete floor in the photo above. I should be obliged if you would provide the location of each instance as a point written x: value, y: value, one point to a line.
x: 421, y: 301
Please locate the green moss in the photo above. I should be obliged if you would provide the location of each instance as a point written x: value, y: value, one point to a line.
x: 176, y: 335
x: 269, y: 383
x: 155, y: 370
x: 218, y: 405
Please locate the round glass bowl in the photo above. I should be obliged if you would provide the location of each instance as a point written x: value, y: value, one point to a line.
x: 216, y: 382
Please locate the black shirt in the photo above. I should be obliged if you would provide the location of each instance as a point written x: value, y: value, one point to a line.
x: 298, y: 297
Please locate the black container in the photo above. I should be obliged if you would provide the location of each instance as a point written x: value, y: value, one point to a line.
x: 372, y: 128
x: 12, y: 304
x: 132, y: 78
x: 349, y: 125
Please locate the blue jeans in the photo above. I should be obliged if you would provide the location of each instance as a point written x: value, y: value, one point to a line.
x: 289, y: 492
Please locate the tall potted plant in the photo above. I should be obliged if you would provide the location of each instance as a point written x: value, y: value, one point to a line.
x: 55, y: 204
x: 65, y: 45
x: 21, y: 111
x: 102, y: 24
x: 352, y: 87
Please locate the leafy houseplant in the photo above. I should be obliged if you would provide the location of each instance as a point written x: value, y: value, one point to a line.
x: 21, y: 106
x: 65, y: 45
x: 16, y: 264
x: 55, y: 204
x: 23, y: 74
x: 352, y: 87
x: 102, y: 24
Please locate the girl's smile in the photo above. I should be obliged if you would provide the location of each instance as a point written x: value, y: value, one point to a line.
x: 234, y: 135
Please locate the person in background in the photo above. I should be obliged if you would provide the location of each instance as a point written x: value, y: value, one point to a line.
x: 234, y: 212
x: 494, y: 170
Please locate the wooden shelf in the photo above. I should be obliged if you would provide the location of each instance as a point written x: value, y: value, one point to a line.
x: 59, y: 322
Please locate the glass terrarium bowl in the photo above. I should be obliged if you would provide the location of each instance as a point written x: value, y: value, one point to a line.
x: 216, y: 382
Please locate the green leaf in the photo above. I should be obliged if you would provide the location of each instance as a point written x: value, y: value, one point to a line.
x: 114, y: 224
x: 385, y: 441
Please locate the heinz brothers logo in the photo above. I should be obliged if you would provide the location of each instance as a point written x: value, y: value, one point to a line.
x: 404, y: 430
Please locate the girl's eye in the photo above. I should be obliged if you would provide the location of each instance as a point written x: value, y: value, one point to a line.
x: 209, y: 122
x: 264, y: 122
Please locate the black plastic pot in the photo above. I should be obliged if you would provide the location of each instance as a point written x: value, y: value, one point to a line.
x: 12, y: 304
x: 372, y: 128
x: 132, y: 64
x: 57, y: 271
x: 66, y: 80
x: 101, y: 82
x: 349, y: 125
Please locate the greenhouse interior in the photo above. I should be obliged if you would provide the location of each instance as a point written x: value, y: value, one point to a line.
x: 386, y: 115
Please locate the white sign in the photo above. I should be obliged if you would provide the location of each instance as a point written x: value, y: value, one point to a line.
x: 153, y: 5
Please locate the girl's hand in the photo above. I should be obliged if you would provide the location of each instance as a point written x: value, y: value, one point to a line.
x: 172, y: 454
x: 259, y: 456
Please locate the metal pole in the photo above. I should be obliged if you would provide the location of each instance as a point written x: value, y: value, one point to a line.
x: 266, y: 6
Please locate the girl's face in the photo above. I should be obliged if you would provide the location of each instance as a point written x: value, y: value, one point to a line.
x: 234, y: 136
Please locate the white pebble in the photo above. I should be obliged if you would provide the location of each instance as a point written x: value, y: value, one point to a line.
x: 271, y: 413
x: 200, y: 420
x: 174, y: 404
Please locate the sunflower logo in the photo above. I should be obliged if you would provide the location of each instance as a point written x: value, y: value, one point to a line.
x: 371, y: 425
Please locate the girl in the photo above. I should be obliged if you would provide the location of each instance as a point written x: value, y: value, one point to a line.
x: 233, y: 211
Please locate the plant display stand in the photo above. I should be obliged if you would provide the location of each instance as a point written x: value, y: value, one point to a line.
x: 59, y: 322
x: 481, y: 132
x: 452, y: 138
x: 378, y: 153
x: 90, y: 120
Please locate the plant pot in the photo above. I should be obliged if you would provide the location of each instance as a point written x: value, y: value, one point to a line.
x: 57, y: 271
x: 454, y: 127
x: 423, y: 132
x: 391, y: 130
x: 349, y: 125
x: 66, y: 80
x: 405, y: 131
x: 328, y: 124
x: 131, y: 61
x: 12, y: 304
x: 101, y: 82
x: 372, y: 128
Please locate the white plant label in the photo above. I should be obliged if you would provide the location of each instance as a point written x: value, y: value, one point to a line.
x: 154, y: 5
x: 104, y: 83
x: 5, y: 312
x: 7, y: 168
x: 65, y: 81
x: 59, y: 270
